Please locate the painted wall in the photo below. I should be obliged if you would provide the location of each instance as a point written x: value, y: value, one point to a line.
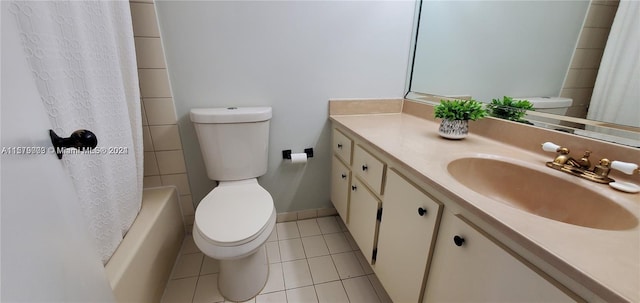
x: 292, y: 56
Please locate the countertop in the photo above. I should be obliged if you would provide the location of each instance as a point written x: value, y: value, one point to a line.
x: 607, y: 262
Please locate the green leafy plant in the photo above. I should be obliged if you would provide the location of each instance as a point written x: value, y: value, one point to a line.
x: 460, y: 110
x: 507, y: 108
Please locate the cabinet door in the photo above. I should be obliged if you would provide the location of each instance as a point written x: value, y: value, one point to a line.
x: 405, y: 239
x: 363, y: 210
x: 340, y: 180
x: 469, y: 266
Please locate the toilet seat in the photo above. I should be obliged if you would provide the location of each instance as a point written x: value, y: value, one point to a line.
x: 234, y: 213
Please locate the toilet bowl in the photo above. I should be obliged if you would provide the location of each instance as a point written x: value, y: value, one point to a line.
x: 234, y: 221
x: 232, y: 224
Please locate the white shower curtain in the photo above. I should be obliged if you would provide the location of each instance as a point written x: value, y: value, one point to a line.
x: 83, y: 61
x: 616, y: 95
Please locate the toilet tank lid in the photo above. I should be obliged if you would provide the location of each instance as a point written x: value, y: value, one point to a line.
x: 230, y: 114
x: 548, y: 102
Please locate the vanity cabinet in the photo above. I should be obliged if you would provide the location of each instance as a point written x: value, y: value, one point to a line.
x: 392, y: 220
x: 429, y: 238
x: 406, y: 236
x: 356, y: 187
x: 365, y: 205
x: 470, y: 265
x: 342, y: 147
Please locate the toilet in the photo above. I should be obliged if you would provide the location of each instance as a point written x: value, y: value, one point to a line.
x: 234, y: 220
x: 551, y: 105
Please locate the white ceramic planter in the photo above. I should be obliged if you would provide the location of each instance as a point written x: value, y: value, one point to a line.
x: 454, y: 129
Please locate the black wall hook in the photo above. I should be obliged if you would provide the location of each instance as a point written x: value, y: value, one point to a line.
x: 81, y: 139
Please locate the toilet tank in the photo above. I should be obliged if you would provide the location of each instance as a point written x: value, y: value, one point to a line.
x: 551, y: 105
x: 234, y: 141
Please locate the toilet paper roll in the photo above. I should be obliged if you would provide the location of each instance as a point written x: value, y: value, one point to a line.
x: 299, y: 158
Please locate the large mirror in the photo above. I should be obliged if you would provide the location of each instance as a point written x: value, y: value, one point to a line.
x: 528, y: 49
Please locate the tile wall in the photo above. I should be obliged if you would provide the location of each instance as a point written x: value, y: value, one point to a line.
x: 163, y: 158
x: 586, y: 60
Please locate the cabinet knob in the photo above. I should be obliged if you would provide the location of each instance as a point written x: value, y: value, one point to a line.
x: 364, y: 167
x: 458, y: 240
x: 344, y: 176
x: 340, y: 145
x: 421, y: 211
x: 353, y: 187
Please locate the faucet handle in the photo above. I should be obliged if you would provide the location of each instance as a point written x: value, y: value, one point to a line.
x: 625, y: 167
x: 550, y: 147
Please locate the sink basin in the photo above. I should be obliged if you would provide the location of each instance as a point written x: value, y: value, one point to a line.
x: 541, y: 194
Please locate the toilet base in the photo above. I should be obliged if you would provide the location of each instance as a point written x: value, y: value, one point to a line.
x: 242, y: 279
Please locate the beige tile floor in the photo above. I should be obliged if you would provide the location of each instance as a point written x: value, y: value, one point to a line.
x: 313, y: 260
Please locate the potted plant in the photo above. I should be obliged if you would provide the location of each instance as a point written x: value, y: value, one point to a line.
x: 509, y: 109
x: 456, y: 115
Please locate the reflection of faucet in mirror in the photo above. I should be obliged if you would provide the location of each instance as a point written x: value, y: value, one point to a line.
x: 558, y: 57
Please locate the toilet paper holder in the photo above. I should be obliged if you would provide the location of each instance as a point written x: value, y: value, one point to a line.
x: 286, y: 154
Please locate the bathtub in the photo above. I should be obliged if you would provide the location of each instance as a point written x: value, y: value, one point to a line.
x: 139, y: 269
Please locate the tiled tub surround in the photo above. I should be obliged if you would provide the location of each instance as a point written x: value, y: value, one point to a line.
x: 163, y: 157
x: 311, y: 260
x: 581, y: 77
x: 596, y: 264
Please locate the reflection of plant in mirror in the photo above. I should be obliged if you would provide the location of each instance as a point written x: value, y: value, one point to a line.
x: 507, y: 108
x: 460, y: 110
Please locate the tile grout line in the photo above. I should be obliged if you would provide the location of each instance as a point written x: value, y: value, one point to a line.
x: 345, y: 290
x: 193, y: 295
x: 306, y: 258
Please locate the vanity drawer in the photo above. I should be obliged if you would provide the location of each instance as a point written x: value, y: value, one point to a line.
x: 369, y: 168
x: 342, y: 146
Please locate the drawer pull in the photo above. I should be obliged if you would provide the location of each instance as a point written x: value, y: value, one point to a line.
x: 364, y: 167
x: 340, y: 145
x: 458, y: 240
x: 344, y: 176
x: 421, y: 211
x: 353, y: 187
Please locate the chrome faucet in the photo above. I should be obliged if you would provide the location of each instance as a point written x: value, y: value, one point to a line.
x: 582, y: 167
